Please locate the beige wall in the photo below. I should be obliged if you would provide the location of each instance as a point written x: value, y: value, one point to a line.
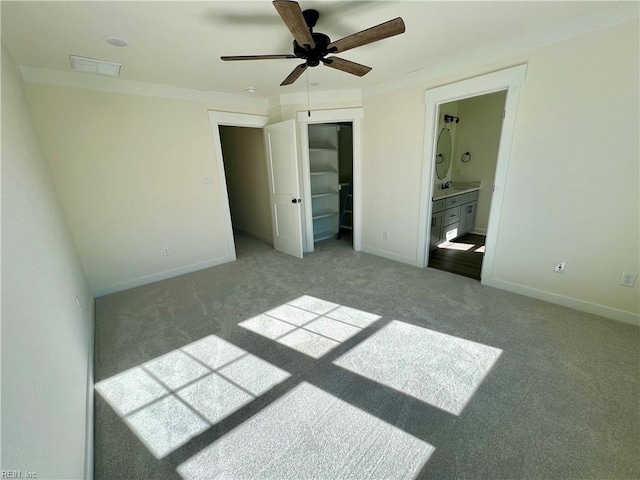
x: 577, y: 116
x: 46, y: 371
x: 479, y: 134
x: 130, y: 171
x: 246, y: 174
x: 289, y: 111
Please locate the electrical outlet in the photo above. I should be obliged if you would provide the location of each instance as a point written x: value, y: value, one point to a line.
x: 166, y: 252
x: 628, y: 279
x: 208, y: 182
x: 385, y: 235
x: 560, y: 267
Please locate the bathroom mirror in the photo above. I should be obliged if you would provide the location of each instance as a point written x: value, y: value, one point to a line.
x: 443, y: 153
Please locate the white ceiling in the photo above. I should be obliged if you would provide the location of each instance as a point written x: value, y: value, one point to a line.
x: 180, y: 43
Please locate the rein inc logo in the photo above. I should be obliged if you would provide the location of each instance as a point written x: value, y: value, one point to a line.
x: 18, y: 474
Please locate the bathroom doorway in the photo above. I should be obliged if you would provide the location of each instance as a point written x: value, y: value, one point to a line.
x: 469, y: 133
x: 508, y: 80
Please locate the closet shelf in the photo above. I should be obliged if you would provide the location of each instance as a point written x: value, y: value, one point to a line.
x: 323, y: 214
x: 323, y: 193
x: 323, y: 172
x: 322, y: 147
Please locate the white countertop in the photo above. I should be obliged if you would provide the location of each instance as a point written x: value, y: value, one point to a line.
x: 457, y: 189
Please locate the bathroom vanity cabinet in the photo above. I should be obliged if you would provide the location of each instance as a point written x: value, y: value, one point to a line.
x: 453, y: 215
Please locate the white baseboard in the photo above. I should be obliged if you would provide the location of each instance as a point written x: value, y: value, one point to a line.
x: 389, y: 255
x: 581, y: 305
x: 118, y: 287
x: 479, y: 231
x: 254, y: 235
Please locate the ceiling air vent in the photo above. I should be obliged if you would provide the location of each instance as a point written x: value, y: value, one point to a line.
x: 90, y: 65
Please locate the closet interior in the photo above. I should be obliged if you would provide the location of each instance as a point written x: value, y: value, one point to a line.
x: 331, y: 170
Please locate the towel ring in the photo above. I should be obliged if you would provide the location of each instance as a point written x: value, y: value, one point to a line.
x: 466, y: 157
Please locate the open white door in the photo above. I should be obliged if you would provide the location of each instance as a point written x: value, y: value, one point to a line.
x: 284, y: 189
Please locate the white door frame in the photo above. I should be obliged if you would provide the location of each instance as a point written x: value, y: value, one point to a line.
x: 353, y: 115
x: 230, y: 120
x: 510, y: 80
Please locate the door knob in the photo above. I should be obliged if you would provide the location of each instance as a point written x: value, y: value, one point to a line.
x: 296, y: 200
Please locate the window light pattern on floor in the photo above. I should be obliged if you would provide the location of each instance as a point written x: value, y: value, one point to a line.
x: 309, y: 433
x: 441, y: 370
x: 171, y: 399
x: 310, y: 325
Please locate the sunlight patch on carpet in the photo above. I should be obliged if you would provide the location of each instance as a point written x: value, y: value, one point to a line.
x: 441, y: 370
x: 310, y: 325
x: 172, y: 398
x: 309, y: 433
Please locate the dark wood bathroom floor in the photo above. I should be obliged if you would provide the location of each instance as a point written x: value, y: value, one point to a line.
x: 463, y: 256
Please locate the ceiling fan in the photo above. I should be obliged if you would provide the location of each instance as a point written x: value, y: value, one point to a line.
x: 314, y: 47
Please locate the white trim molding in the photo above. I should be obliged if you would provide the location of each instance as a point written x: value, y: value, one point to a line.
x: 390, y: 255
x: 216, y: 119
x: 509, y: 80
x: 131, y: 87
x: 355, y: 116
x: 315, y: 98
x: 573, y: 303
x: 137, y: 282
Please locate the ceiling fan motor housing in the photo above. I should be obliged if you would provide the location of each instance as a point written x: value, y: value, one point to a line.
x: 313, y: 56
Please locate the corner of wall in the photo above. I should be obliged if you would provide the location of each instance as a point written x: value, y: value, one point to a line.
x: 42, y: 279
x: 89, y: 431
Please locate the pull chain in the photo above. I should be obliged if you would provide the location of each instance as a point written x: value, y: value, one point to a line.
x: 308, y: 101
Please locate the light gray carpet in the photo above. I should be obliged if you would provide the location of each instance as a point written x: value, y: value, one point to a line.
x: 560, y: 401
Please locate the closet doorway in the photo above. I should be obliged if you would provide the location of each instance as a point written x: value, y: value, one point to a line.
x: 300, y: 190
x: 331, y: 151
x: 217, y: 120
x: 243, y: 155
x: 331, y: 179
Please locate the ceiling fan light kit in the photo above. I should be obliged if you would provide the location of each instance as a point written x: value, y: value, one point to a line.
x: 313, y: 47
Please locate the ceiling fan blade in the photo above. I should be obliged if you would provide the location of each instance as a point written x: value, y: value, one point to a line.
x: 370, y: 35
x: 294, y: 20
x: 293, y: 76
x: 255, y: 57
x: 347, y: 66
